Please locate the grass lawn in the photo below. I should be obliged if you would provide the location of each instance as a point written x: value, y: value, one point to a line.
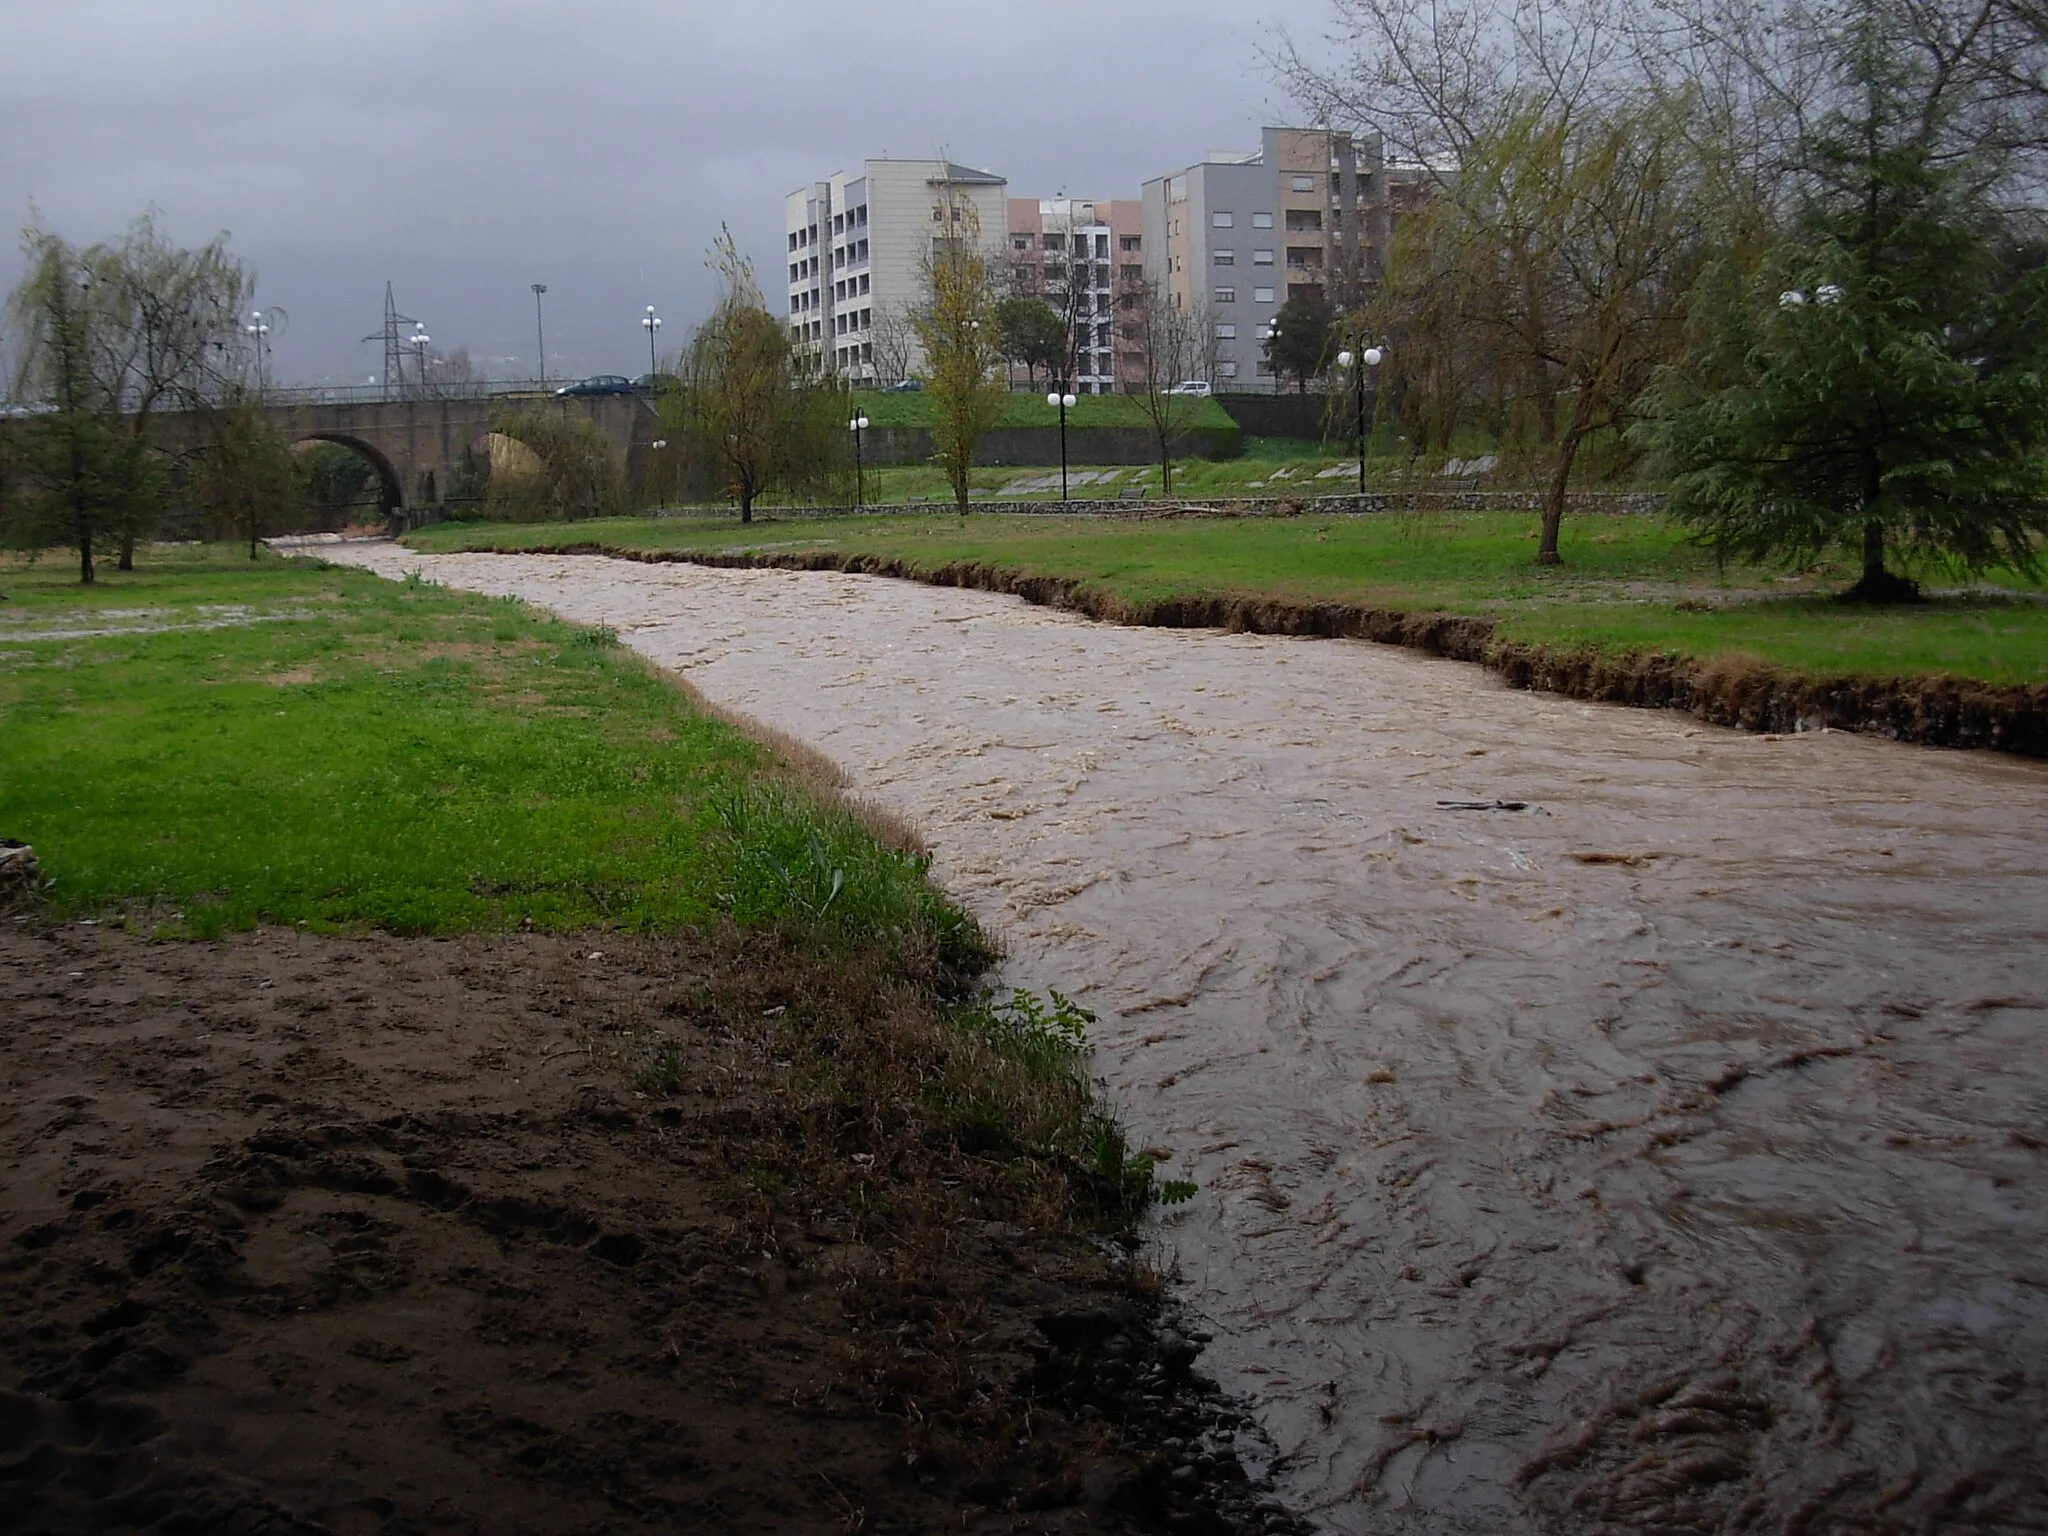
x: 210, y: 743
x: 886, y: 408
x: 1269, y: 467
x: 1627, y: 583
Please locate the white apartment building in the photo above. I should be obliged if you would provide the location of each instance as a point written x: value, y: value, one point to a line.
x: 857, y: 244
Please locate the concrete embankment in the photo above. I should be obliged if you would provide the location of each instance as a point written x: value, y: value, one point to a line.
x: 1746, y: 694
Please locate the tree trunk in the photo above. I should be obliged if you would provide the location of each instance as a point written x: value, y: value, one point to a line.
x: 85, y: 559
x: 746, y: 505
x: 1876, y: 584
x: 1553, y: 497
x: 127, y: 561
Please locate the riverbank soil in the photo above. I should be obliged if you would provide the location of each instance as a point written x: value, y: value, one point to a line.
x: 532, y: 1233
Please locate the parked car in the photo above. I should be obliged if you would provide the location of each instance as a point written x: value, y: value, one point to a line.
x: 907, y: 387
x: 656, y: 384
x: 1191, y: 387
x: 599, y: 384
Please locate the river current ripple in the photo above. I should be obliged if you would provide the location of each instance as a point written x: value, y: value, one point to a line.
x: 1666, y: 1155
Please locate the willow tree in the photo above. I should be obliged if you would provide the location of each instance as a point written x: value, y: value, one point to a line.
x: 1564, y: 214
x: 743, y: 410
x: 962, y: 339
x: 111, y: 335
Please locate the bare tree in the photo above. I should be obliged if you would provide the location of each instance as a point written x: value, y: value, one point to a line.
x: 895, y: 341
x: 1176, y: 345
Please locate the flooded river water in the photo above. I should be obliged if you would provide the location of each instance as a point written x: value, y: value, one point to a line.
x: 1665, y: 1155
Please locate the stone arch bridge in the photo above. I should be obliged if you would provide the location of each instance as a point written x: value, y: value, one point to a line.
x: 415, y: 446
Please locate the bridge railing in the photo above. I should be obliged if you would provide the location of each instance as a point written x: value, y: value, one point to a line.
x: 376, y: 394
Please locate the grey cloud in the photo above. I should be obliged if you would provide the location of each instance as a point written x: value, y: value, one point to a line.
x: 464, y: 149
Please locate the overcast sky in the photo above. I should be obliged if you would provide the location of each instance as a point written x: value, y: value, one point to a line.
x: 464, y: 149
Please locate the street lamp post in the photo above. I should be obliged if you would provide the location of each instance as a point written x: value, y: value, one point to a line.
x: 650, y: 323
x: 258, y: 329
x: 856, y: 426
x: 418, y: 342
x: 1369, y: 358
x: 540, y: 335
x: 1063, y: 401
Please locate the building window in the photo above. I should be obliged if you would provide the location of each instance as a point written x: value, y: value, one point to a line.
x: 795, y: 302
x: 1131, y: 274
x: 1262, y: 221
x: 864, y: 282
x: 1226, y: 332
x: 1227, y: 370
x: 1262, y: 295
x: 1229, y: 258
x: 1304, y: 183
x: 1052, y: 242
x: 1262, y: 258
x: 1304, y: 219
x: 792, y: 239
x: 1226, y: 296
x: 1020, y: 242
x: 1222, y: 220
x: 1130, y: 242
x: 1265, y: 367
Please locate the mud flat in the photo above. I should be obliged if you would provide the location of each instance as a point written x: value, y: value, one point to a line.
x: 1605, y: 1122
x: 377, y: 1234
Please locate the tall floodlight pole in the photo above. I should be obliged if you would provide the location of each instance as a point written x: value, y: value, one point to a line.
x: 418, y: 342
x: 540, y: 335
x: 1064, y: 402
x: 650, y: 322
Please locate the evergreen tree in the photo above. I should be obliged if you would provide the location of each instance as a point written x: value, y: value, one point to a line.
x: 1034, y: 334
x: 1877, y: 381
x: 1303, y: 339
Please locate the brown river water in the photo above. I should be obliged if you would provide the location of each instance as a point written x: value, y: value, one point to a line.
x: 1666, y: 1155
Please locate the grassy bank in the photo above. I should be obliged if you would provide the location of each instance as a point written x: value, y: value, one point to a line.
x: 214, y: 744
x: 887, y: 408
x: 1628, y: 585
x: 744, y: 1109
x: 211, y: 744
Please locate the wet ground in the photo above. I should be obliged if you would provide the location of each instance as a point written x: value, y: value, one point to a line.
x: 1604, y: 1122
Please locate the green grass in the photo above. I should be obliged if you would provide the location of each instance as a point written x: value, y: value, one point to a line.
x: 1621, y: 586
x: 1028, y: 409
x: 346, y: 751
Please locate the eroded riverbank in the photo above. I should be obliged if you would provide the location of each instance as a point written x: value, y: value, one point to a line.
x: 1666, y: 1149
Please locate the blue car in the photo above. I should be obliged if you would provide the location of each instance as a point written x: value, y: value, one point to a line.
x: 599, y: 384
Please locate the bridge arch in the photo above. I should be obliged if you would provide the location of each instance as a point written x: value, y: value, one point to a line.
x: 390, y: 488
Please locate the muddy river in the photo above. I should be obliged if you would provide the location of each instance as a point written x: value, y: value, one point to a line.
x: 1665, y: 1154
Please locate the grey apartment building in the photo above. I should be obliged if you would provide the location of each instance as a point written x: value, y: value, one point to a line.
x: 1236, y: 235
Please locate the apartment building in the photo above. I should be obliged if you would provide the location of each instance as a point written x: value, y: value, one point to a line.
x: 856, y: 250
x: 1237, y: 235
x: 1079, y: 255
